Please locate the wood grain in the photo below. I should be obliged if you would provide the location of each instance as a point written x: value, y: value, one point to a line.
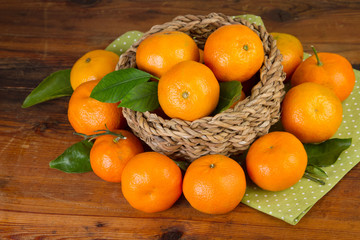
x: 36, y: 202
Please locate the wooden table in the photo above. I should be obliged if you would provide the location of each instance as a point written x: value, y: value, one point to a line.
x: 36, y: 202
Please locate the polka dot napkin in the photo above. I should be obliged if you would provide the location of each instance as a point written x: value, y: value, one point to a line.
x: 292, y: 204
x: 122, y: 43
x: 252, y: 18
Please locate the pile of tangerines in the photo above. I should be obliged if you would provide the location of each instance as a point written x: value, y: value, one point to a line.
x: 188, y: 89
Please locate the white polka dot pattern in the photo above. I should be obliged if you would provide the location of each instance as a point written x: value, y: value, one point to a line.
x: 252, y: 18
x: 122, y: 43
x: 292, y: 204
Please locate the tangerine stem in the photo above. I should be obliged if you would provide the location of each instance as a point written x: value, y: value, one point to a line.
x: 319, y: 63
x: 117, y: 139
x: 155, y: 77
x: 103, y: 132
x: 185, y: 95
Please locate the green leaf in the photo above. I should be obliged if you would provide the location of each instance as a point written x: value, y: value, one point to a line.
x: 230, y: 92
x: 183, y: 165
x: 75, y: 159
x: 316, y: 171
x: 142, y: 97
x: 252, y: 18
x: 314, y: 179
x: 54, y: 86
x: 115, y: 85
x: 326, y: 153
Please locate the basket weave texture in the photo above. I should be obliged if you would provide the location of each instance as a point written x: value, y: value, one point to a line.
x: 228, y: 133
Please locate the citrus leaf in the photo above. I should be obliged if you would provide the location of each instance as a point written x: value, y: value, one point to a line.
x: 115, y: 85
x: 183, y: 165
x: 314, y: 179
x: 326, y: 153
x: 230, y: 92
x: 316, y: 171
x: 75, y: 159
x: 142, y: 97
x: 54, y: 86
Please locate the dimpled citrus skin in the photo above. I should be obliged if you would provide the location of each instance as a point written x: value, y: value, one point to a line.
x: 233, y: 53
x: 214, y: 184
x: 335, y: 73
x: 94, y: 65
x: 151, y: 182
x: 312, y: 112
x: 109, y: 155
x: 188, y: 91
x: 160, y: 51
x: 276, y: 161
x: 291, y: 50
x: 87, y: 115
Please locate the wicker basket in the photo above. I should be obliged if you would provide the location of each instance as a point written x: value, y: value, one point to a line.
x: 230, y: 132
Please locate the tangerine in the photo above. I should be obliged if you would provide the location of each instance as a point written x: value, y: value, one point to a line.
x: 94, y: 65
x: 312, y: 112
x: 276, y: 161
x: 234, y: 52
x: 151, y: 182
x: 214, y: 184
x: 159, y: 52
x: 110, y: 154
x: 291, y: 49
x: 242, y: 97
x: 188, y: 91
x: 87, y: 115
x: 328, y: 69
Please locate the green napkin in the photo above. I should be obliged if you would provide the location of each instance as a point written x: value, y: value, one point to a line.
x: 252, y: 18
x: 292, y: 204
x: 122, y: 43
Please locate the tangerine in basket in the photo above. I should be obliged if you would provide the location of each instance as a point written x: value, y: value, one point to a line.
x: 87, y: 115
x: 312, y: 112
x: 157, y: 53
x: 214, y: 184
x: 276, y: 161
x: 110, y: 154
x: 94, y: 65
x: 234, y: 52
x: 291, y: 49
x: 151, y: 182
x: 242, y: 97
x: 188, y: 91
x: 328, y: 69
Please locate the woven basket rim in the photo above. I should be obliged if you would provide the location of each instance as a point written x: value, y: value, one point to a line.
x: 158, y: 28
x: 271, y: 65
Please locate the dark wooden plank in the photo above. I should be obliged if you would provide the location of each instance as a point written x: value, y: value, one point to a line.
x: 36, y: 202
